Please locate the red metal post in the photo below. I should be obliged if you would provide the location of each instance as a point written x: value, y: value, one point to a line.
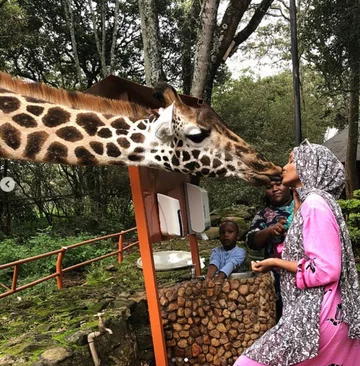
x: 157, y: 329
x: 15, y: 277
x: 195, y: 253
x: 120, y: 248
x: 59, y: 273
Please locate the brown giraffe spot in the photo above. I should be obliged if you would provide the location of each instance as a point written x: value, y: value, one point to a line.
x: 205, y: 160
x: 175, y: 161
x: 240, y: 148
x: 167, y: 166
x: 221, y: 172
x: 186, y: 156
x: 24, y: 120
x: 191, y: 166
x: 34, y: 100
x: 69, y: 134
x: 212, y: 175
x: 98, y: 147
x: 84, y: 156
x: 228, y: 157
x: 56, y: 153
x: 231, y: 167
x: 165, y: 158
x: 228, y: 147
x: 158, y: 157
x: 141, y: 126
x: 138, y: 137
x: 9, y: 104
x: 104, y: 133
x: 55, y: 116
x: 35, y: 142
x: 120, y: 124
x: 257, y: 166
x: 205, y: 171
x: 153, y: 151
x: 90, y: 122
x: 108, y: 116
x: 123, y: 142
x: 216, y: 163
x: 134, y: 157
x: 259, y: 156
x: 139, y: 150
x: 10, y: 135
x: 180, y: 143
x: 116, y: 162
x: 152, y: 117
x: 231, y: 136
x: 34, y: 109
x: 112, y: 150
x: 196, y: 153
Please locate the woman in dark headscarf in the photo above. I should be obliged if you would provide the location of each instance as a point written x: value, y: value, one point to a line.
x: 320, y: 325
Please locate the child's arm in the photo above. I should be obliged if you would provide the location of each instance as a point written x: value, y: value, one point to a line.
x: 237, y: 259
x: 211, y: 272
x: 215, y: 260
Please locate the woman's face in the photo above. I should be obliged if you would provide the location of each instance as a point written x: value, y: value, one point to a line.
x: 278, y: 194
x: 290, y: 177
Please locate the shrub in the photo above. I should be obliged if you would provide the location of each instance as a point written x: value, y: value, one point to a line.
x: 351, y: 211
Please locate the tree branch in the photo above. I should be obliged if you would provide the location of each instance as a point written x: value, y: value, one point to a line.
x: 254, y: 22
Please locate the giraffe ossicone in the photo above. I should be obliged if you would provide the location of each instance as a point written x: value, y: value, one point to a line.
x: 42, y: 124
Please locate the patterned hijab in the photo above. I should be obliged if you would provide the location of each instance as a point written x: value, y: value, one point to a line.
x: 321, y: 172
x: 296, y: 336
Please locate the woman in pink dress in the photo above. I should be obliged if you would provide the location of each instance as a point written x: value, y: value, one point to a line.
x: 320, y: 325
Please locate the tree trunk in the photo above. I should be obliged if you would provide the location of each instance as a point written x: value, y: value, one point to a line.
x: 150, y: 37
x: 70, y: 24
x: 100, y: 46
x: 114, y: 36
x: 188, y: 37
x: 353, y: 135
x: 204, y: 46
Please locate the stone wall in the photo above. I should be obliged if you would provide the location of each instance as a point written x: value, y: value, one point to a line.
x: 209, y: 323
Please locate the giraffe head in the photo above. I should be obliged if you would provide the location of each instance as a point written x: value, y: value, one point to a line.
x: 198, y: 142
x: 43, y: 124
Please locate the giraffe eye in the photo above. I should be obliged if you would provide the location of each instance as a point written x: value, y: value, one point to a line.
x: 197, y: 135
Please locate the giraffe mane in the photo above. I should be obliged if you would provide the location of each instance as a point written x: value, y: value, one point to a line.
x: 75, y: 100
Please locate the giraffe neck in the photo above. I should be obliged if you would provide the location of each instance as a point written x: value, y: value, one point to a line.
x: 38, y: 131
x: 42, y: 124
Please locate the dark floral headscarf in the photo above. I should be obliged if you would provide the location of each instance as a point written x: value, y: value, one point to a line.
x: 296, y: 336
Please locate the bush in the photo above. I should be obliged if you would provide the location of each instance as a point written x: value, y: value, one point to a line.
x: 351, y: 211
x: 12, y: 250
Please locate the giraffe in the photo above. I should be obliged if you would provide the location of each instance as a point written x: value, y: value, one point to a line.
x: 39, y: 123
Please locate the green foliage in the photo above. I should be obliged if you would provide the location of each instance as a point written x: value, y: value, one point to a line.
x: 12, y: 250
x: 261, y: 112
x: 351, y: 211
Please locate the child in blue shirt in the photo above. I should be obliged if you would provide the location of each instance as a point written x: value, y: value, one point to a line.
x: 229, y: 257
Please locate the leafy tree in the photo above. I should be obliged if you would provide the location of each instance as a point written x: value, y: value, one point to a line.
x: 205, y: 42
x: 331, y: 34
x: 260, y: 111
x: 70, y: 44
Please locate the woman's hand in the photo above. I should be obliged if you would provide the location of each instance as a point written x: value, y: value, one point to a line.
x: 278, y: 228
x: 263, y: 266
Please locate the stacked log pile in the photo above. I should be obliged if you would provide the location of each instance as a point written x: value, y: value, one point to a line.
x: 209, y: 323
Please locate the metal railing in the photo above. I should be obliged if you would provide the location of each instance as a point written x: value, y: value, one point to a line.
x: 59, y: 270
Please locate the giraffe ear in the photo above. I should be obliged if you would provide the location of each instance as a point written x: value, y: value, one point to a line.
x: 164, y: 92
x: 163, y: 125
